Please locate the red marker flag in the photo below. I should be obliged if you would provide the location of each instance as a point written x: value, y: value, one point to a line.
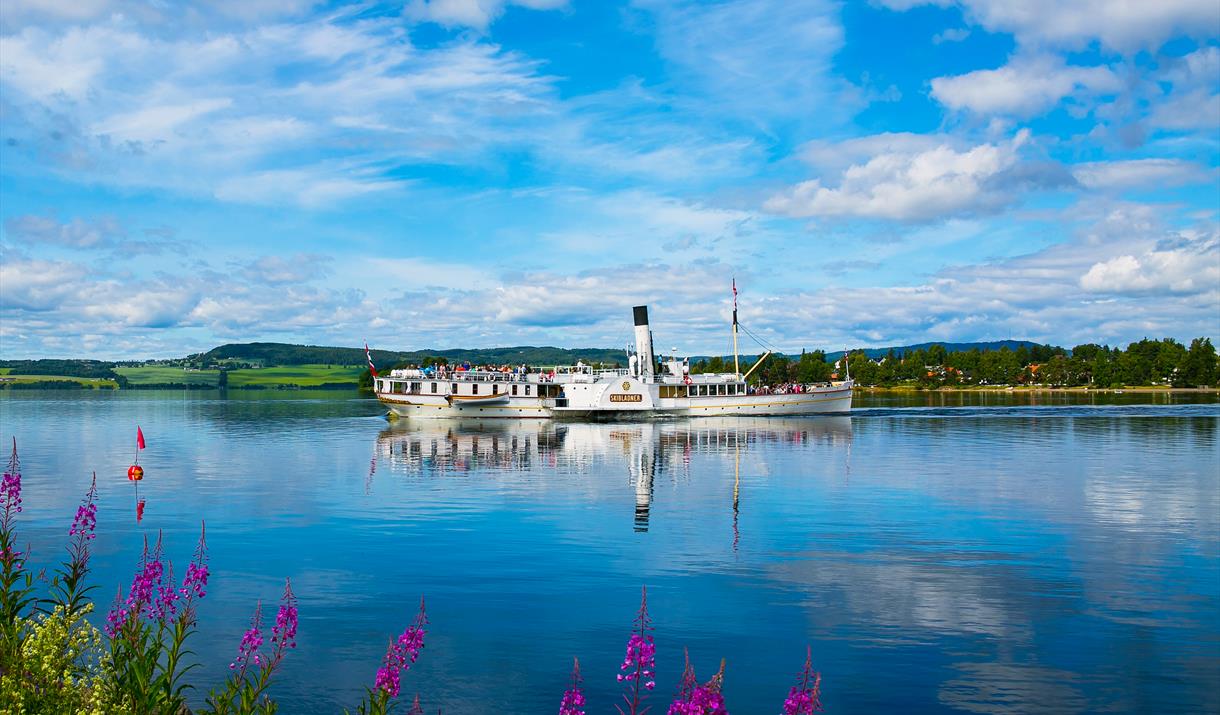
x: 368, y: 356
x: 139, y: 438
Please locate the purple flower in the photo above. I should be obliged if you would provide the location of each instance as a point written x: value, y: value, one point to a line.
x: 10, y: 488
x: 640, y: 663
x: 694, y: 699
x: 85, y: 522
x: 284, y: 632
x: 144, y: 585
x: 804, y: 697
x: 250, y: 642
x: 573, y: 702
x: 401, y: 654
x: 167, y: 597
x: 196, y: 578
x: 116, y: 617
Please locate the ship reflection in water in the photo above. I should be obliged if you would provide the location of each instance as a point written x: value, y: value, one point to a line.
x: 651, y: 451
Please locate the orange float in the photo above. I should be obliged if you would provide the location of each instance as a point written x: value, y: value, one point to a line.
x: 135, y: 473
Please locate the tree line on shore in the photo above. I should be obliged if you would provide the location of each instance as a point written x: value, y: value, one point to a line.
x: 1144, y: 363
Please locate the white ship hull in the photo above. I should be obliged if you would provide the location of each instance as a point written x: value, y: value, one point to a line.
x: 609, y: 399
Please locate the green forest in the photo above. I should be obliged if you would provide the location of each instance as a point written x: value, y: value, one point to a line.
x: 1145, y: 363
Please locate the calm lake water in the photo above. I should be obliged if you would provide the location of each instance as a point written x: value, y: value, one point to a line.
x: 1000, y: 554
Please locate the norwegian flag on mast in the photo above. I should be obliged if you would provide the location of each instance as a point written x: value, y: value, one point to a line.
x: 369, y: 356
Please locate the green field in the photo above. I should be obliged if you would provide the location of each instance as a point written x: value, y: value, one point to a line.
x: 86, y: 381
x: 159, y: 375
x: 301, y: 375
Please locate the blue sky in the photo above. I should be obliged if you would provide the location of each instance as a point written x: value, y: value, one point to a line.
x: 452, y: 173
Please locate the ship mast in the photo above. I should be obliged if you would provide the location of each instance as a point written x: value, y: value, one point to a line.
x: 736, y: 366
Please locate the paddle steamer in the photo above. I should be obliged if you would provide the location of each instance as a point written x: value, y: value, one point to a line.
x: 646, y: 388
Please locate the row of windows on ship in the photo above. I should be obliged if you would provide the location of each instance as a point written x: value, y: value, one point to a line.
x: 434, y: 388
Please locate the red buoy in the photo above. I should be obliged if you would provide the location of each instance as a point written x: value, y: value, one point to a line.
x: 135, y: 473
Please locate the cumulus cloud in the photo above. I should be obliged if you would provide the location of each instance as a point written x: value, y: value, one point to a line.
x: 1123, y: 26
x: 1024, y: 87
x: 296, y: 268
x: 1187, y: 265
x: 77, y: 233
x: 911, y: 182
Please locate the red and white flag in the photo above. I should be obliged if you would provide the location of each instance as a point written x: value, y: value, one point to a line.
x: 369, y: 356
x: 139, y: 438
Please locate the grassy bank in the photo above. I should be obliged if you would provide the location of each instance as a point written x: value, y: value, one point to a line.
x: 165, y: 375
x: 52, y: 382
x: 303, y: 376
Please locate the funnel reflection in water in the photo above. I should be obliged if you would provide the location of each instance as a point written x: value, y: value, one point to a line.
x: 525, y: 451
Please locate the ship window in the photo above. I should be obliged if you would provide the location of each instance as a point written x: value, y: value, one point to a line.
x: 682, y: 391
x: 527, y: 389
x: 722, y: 390
x: 514, y: 390
x: 474, y: 389
x: 434, y: 388
x: 733, y: 389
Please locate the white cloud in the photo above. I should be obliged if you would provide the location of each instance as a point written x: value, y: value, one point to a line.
x: 1123, y: 26
x: 1146, y: 174
x: 295, y: 268
x: 757, y: 60
x: 1188, y: 265
x: 478, y: 14
x: 77, y: 233
x: 910, y: 183
x: 156, y: 123
x: 316, y: 187
x: 1024, y: 87
x: 1196, y: 110
x: 952, y: 34
x: 36, y: 285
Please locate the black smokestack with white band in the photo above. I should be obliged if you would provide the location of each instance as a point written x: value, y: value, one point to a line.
x: 643, y: 343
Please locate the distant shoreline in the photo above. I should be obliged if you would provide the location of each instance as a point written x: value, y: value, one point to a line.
x: 1038, y: 389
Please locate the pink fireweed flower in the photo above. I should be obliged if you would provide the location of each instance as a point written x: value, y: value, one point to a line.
x: 144, y: 585
x: 116, y: 617
x: 695, y: 699
x: 85, y: 522
x: 805, y: 697
x: 284, y: 632
x: 573, y: 702
x: 640, y: 663
x: 10, y: 488
x: 167, y: 597
x: 250, y: 642
x: 196, y: 578
x: 401, y: 655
